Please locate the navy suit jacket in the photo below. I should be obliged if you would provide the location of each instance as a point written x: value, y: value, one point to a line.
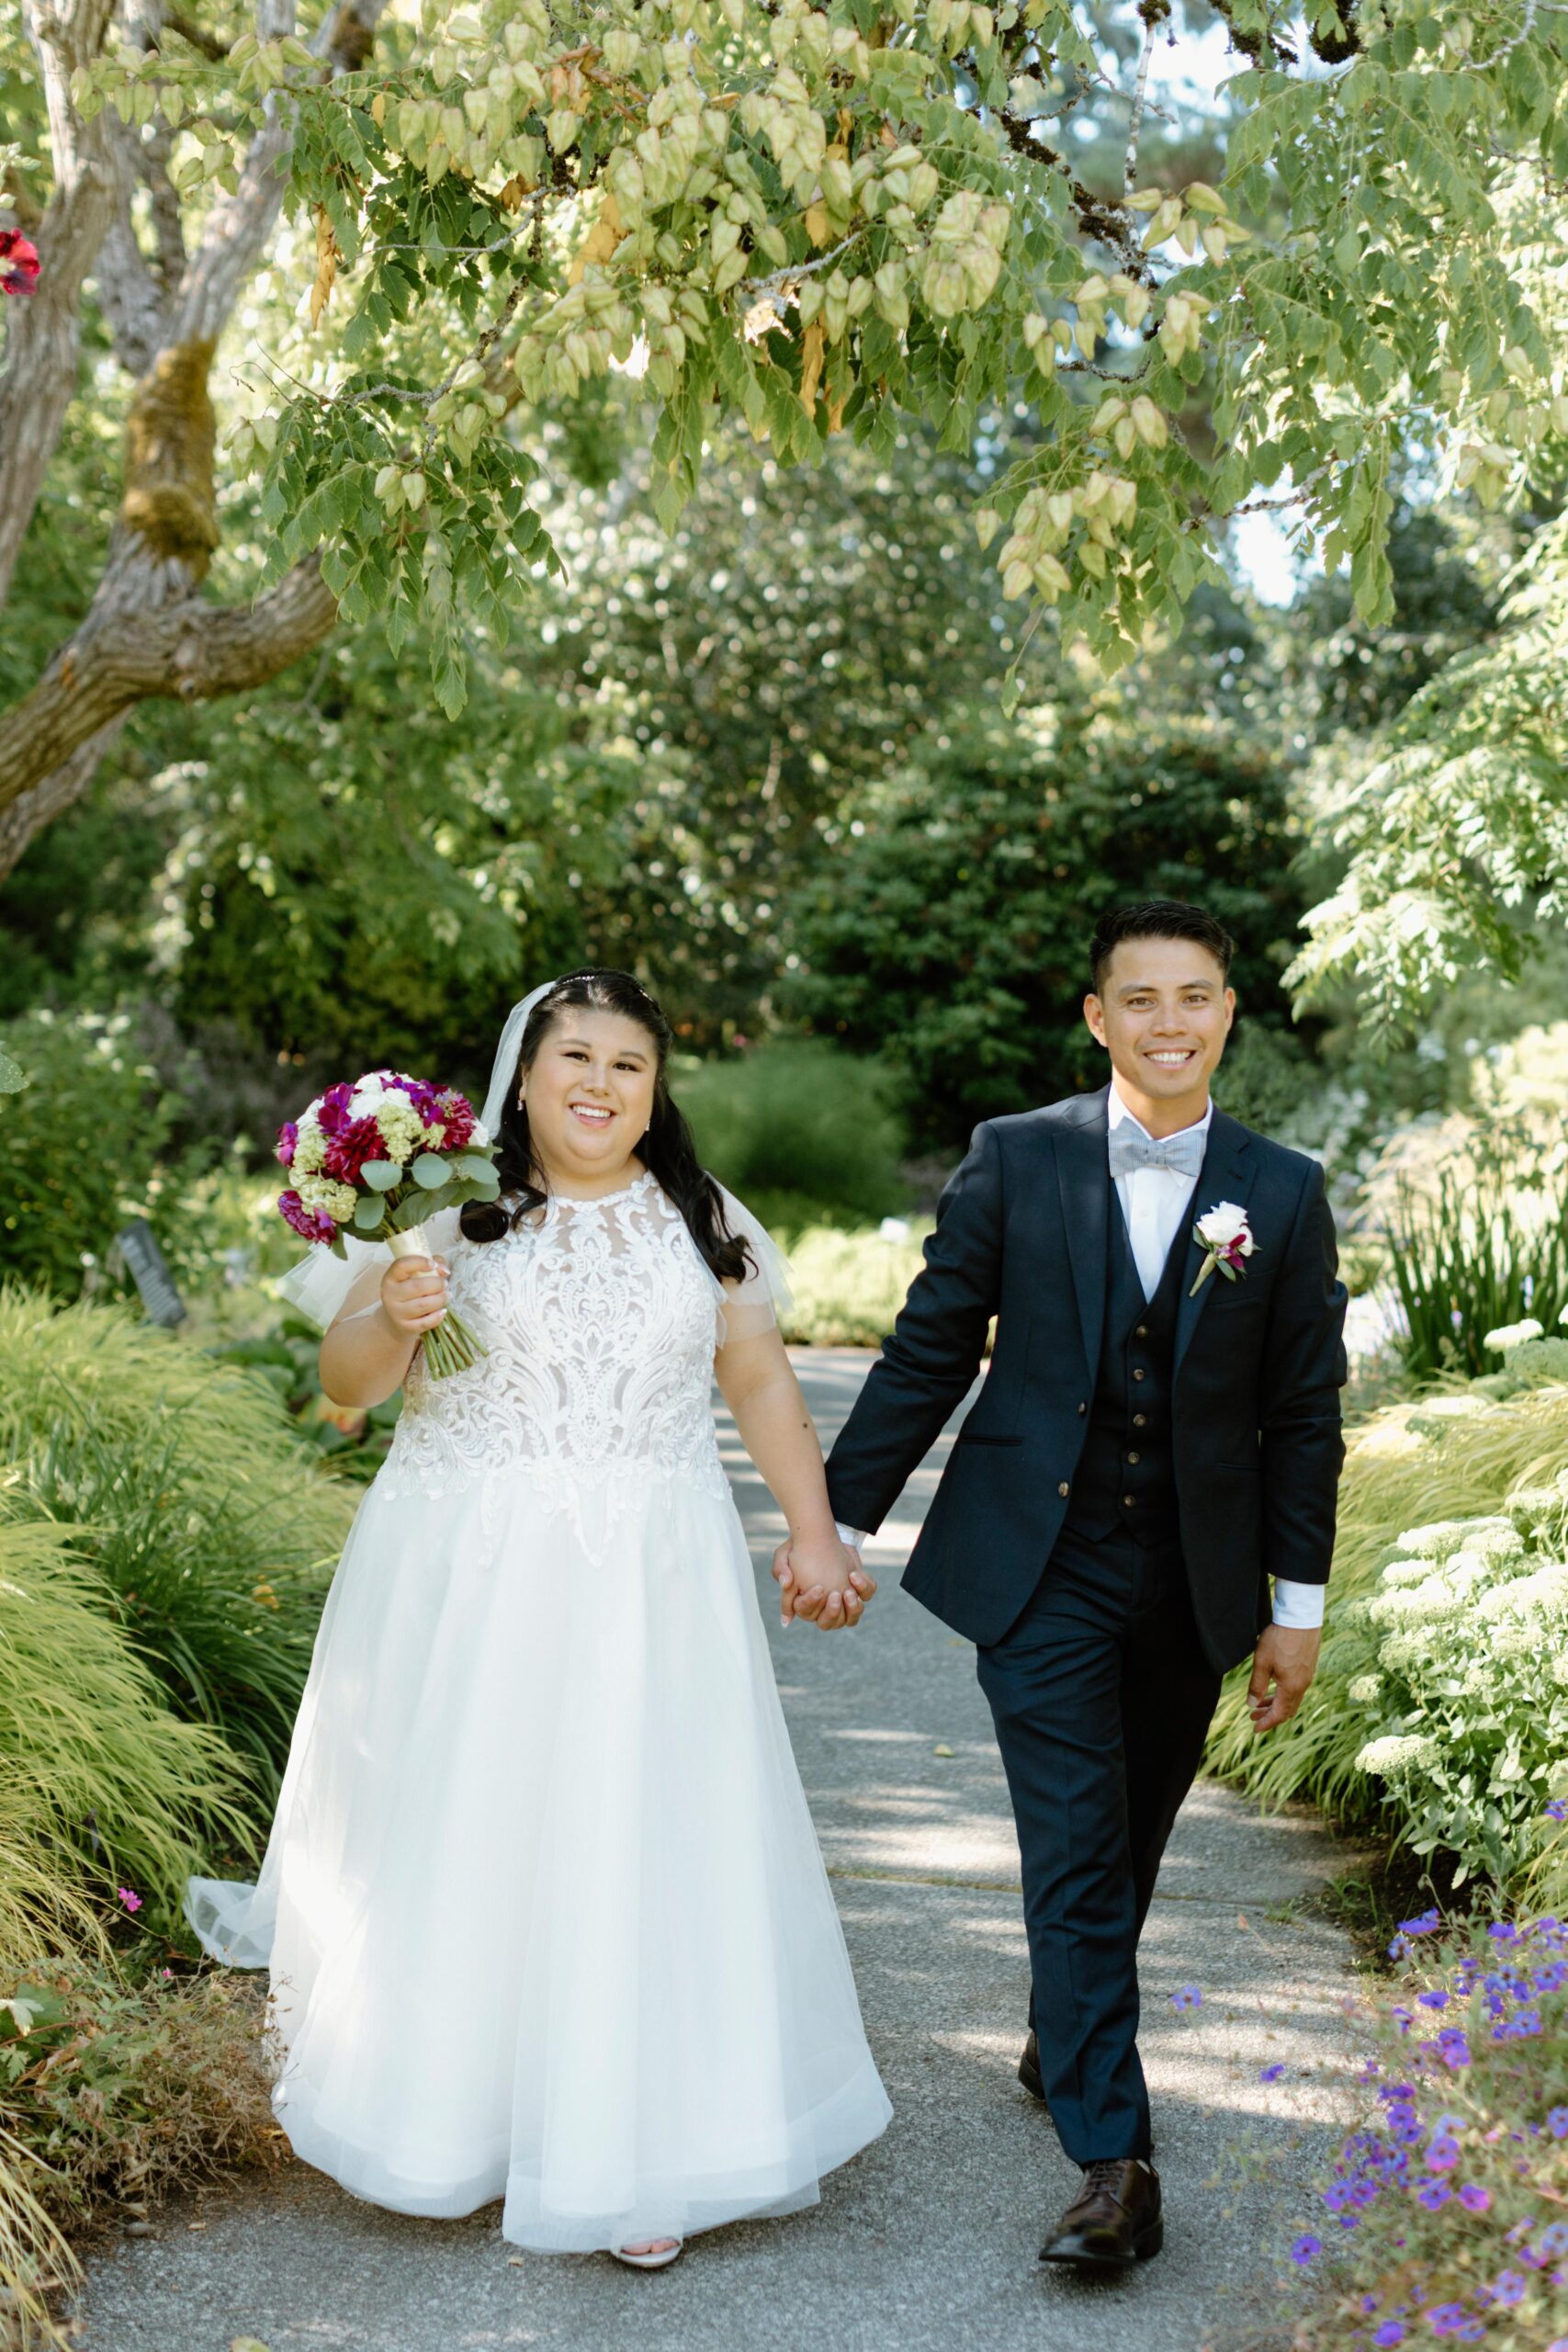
x: 1259, y: 1363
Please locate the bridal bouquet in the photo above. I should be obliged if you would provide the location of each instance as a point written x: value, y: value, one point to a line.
x: 378, y: 1158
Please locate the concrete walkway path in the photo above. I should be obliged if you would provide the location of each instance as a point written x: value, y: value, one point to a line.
x: 927, y: 2242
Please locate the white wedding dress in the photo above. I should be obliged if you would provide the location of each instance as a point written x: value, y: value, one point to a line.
x: 544, y: 1907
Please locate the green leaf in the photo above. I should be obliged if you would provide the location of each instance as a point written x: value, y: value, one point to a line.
x: 381, y: 1174
x: 431, y: 1172
x: 367, y: 1216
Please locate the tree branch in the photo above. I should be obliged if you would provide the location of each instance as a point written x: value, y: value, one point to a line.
x: 43, y: 340
x: 32, y: 810
x: 188, y: 652
x: 1097, y: 216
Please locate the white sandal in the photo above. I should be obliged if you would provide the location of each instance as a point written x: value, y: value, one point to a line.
x: 660, y: 2260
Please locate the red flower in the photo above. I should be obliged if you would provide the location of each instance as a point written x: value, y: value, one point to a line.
x: 19, y: 255
x: 314, y: 1224
x: 346, y: 1153
x: 458, y: 1113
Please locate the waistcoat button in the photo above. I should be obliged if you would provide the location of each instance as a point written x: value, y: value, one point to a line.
x: 1062, y: 1489
x: 1133, y: 1458
x: 1127, y: 1502
x: 1140, y: 1420
x: 1137, y: 1376
x: 1142, y: 1332
x: 1083, y: 1408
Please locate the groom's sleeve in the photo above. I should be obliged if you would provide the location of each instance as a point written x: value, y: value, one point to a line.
x: 934, y: 1351
x: 1304, y: 1370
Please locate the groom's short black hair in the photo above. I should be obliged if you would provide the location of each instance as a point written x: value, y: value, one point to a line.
x: 1157, y: 918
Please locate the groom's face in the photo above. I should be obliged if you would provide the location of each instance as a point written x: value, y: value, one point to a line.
x: 1163, y: 1013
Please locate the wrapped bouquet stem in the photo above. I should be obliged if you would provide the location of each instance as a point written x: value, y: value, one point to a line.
x: 377, y: 1160
x: 451, y: 1346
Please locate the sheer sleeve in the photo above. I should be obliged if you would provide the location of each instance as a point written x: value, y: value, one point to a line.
x: 321, y: 1286
x: 762, y: 1297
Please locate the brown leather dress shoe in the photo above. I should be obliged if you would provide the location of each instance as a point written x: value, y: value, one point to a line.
x: 1115, y: 2218
x: 1029, y: 2066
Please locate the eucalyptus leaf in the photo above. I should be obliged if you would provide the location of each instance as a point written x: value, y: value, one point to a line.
x: 476, y: 1166
x: 367, y: 1216
x: 431, y: 1170
x: 381, y: 1174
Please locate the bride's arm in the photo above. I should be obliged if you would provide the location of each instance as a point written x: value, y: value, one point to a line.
x: 757, y: 1383
x: 365, y: 1356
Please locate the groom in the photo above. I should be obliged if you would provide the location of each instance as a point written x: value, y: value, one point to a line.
x: 1157, y: 1436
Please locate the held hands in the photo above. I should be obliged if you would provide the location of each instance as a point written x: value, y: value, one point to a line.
x: 820, y: 1578
x: 1286, y: 1656
x: 414, y: 1295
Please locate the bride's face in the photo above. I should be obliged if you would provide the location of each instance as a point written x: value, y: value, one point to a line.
x: 590, y: 1095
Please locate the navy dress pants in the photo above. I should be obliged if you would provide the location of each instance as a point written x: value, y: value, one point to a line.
x: 1102, y: 1696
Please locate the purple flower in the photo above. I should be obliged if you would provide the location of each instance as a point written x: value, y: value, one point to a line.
x: 1188, y: 1997
x: 1305, y: 2246
x: 1453, y: 2049
x: 1503, y: 1931
x: 1557, y: 2123
x: 1558, y: 1809
x: 129, y: 1898
x: 1390, y: 2332
x: 1554, y: 2238
x: 1549, y: 1978
x: 331, y: 1111
x: 1474, y: 2198
x: 1426, y: 1924
x: 1509, y: 2287
x: 1433, y: 2000
x: 315, y: 1225
x: 287, y: 1142
x: 1432, y: 2194
x: 1446, y: 2318
x: 1271, y: 2073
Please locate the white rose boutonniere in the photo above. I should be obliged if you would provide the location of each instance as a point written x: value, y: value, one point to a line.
x: 1224, y: 1234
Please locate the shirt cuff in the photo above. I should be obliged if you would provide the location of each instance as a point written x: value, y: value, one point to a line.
x: 1298, y: 1605
x: 852, y: 1535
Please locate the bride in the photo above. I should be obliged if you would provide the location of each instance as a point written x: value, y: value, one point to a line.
x: 543, y: 1904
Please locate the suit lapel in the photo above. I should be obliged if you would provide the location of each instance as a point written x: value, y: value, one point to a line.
x: 1083, y: 1177
x: 1226, y: 1175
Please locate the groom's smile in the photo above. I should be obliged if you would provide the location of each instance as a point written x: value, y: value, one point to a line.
x: 1163, y: 1013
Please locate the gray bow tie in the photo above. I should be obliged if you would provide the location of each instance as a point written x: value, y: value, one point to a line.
x: 1182, y: 1154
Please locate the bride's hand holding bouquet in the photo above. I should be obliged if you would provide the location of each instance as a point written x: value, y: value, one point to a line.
x: 377, y: 1158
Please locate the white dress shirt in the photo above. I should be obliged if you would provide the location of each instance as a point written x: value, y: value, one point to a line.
x: 1154, y: 1202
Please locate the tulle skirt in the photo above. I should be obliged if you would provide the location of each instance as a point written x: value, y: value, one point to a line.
x: 543, y: 1904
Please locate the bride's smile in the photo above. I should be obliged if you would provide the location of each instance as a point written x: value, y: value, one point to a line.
x: 590, y: 1098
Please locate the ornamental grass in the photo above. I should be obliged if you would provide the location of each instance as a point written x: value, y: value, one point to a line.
x: 212, y: 1532
x: 101, y: 1785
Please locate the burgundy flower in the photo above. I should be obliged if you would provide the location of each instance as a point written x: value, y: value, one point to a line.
x: 18, y: 263
x: 348, y: 1150
x: 313, y: 1223
x: 331, y: 1112
x: 458, y: 1113
x: 287, y: 1141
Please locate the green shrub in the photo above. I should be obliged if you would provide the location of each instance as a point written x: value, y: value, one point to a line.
x: 129, y: 2090
x: 797, y: 1117
x: 212, y: 1532
x: 847, y: 1287
x: 947, y: 934
x: 85, y: 1144
x: 1458, y: 1457
x: 101, y: 1785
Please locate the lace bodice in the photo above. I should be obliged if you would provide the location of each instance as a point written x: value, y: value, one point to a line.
x: 600, y: 1321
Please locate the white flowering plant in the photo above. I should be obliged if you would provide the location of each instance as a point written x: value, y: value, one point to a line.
x: 1468, y: 1698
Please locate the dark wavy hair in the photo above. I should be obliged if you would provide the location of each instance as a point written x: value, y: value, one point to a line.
x: 666, y: 1151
